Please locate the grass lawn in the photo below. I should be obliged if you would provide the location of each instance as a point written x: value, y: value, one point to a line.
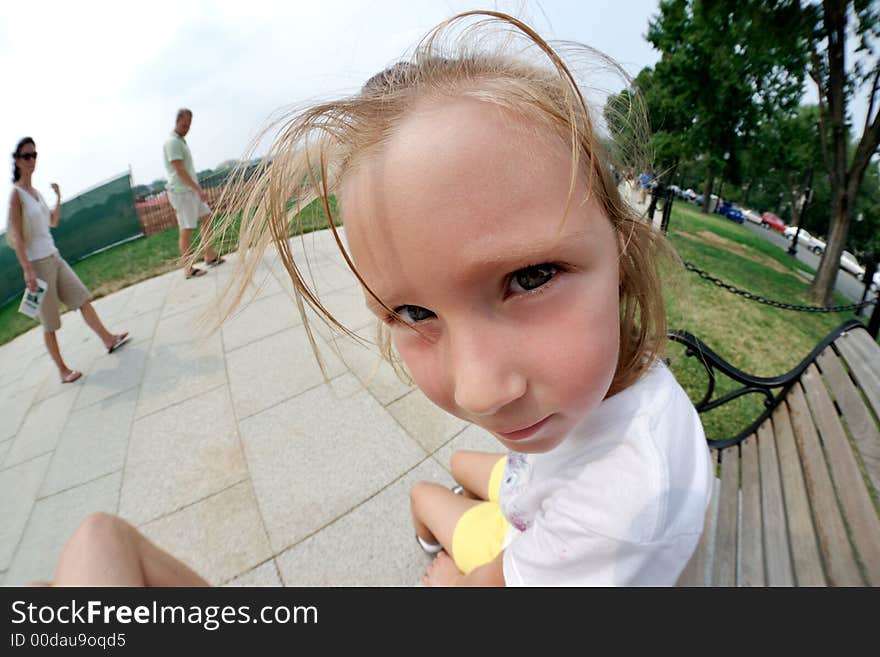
x: 754, y: 337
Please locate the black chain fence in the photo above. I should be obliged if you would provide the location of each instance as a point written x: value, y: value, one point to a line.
x: 776, y: 304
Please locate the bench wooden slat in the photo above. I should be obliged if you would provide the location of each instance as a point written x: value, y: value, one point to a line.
x: 862, y: 355
x: 837, y: 553
x: 864, y: 525
x: 806, y: 561
x: 727, y: 521
x: 696, y: 573
x: 751, y: 564
x: 776, y: 555
x: 862, y: 428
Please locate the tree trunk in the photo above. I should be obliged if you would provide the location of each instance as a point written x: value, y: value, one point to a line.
x: 795, y: 208
x: 822, y: 289
x: 707, y: 192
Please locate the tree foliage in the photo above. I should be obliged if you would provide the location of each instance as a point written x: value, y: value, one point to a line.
x: 725, y: 64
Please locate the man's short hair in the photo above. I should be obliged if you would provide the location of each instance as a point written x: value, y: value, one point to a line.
x: 183, y: 112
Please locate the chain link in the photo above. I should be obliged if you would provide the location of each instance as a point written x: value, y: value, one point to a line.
x: 776, y: 304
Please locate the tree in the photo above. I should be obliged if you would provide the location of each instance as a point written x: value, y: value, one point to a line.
x: 784, y: 147
x: 727, y: 63
x: 827, y: 29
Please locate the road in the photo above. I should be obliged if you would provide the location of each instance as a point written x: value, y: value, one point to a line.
x: 847, y: 284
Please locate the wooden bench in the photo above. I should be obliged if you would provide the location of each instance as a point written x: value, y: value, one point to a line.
x: 795, y: 503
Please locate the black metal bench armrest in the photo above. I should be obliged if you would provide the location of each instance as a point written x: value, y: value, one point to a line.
x: 712, y: 362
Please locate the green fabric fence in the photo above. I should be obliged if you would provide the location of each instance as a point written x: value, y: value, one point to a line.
x: 92, y: 221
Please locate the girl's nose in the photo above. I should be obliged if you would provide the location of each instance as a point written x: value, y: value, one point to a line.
x: 486, y: 376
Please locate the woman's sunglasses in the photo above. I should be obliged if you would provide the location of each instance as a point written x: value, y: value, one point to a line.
x: 28, y: 156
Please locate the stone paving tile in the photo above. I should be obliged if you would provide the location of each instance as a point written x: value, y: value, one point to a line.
x: 182, y: 363
x: 39, y: 369
x: 373, y: 545
x: 275, y: 368
x: 314, y: 457
x: 52, y: 523
x: 349, y: 308
x: 185, y: 294
x: 473, y: 438
x: 140, y: 327
x: 41, y: 429
x: 18, y: 490
x: 180, y: 455
x: 372, y: 370
x: 93, y: 444
x: 259, y: 318
x: 149, y: 295
x: 112, y: 305
x: 14, y: 405
x: 428, y: 424
x: 220, y: 537
x: 113, y: 373
x: 326, y: 276
x: 264, y: 575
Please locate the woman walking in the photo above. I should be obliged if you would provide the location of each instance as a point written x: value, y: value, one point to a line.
x: 28, y: 227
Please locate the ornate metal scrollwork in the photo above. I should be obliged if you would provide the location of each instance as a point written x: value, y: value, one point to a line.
x: 750, y: 384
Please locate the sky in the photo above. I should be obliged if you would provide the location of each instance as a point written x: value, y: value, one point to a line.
x: 97, y: 84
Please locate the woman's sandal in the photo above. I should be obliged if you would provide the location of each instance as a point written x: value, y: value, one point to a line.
x: 73, y: 376
x: 195, y: 272
x: 219, y: 260
x: 118, y: 341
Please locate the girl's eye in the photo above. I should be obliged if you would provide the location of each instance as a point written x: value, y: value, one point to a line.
x: 531, y: 278
x: 413, y: 314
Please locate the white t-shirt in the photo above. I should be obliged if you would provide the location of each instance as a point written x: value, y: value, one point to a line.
x: 621, y: 502
x: 38, y: 217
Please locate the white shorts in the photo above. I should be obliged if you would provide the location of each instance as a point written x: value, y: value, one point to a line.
x: 189, y: 208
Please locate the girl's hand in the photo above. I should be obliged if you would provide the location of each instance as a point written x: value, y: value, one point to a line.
x: 442, y: 572
x: 56, y: 189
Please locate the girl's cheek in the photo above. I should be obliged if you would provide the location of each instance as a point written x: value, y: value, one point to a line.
x: 425, y: 366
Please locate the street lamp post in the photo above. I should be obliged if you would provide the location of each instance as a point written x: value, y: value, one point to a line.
x: 805, y: 201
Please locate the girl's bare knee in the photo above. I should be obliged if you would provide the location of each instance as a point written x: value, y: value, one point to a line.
x: 100, y: 527
x: 457, y: 461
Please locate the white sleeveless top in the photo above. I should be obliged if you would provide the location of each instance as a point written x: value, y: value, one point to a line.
x: 38, y: 216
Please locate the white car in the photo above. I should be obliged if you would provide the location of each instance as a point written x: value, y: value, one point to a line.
x: 849, y: 263
x: 753, y: 216
x: 814, y: 244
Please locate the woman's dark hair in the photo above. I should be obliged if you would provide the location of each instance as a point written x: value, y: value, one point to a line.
x: 16, y: 174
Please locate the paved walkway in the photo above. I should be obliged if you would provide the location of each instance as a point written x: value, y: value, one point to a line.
x: 229, y: 450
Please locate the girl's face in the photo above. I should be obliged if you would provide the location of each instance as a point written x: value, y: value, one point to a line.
x: 457, y: 225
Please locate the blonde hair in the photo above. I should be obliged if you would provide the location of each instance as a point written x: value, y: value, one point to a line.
x: 497, y: 60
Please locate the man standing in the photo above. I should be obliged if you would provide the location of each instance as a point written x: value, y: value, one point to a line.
x: 186, y: 197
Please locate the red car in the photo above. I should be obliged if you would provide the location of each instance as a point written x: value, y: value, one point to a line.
x: 770, y: 220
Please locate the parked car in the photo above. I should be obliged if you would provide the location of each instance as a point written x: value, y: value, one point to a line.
x: 849, y: 263
x: 771, y: 222
x: 805, y: 239
x: 753, y: 216
x: 730, y: 211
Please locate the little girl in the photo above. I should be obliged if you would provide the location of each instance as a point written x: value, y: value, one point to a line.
x: 522, y: 295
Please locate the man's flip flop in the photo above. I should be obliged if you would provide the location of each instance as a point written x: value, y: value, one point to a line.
x: 120, y: 340
x: 73, y: 376
x: 195, y: 272
x: 215, y: 262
